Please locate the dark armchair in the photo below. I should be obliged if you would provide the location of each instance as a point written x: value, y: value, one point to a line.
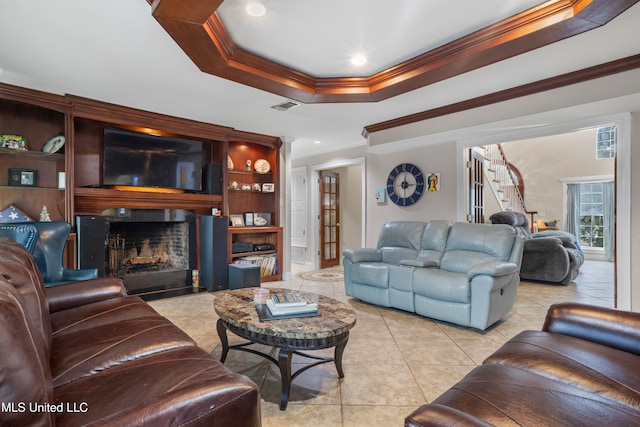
x: 47, y: 249
x: 548, y: 258
x: 25, y: 234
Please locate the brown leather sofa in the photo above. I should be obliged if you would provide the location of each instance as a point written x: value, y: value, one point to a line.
x: 85, y: 353
x: 582, y: 369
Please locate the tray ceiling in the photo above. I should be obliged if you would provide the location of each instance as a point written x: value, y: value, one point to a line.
x: 279, y: 55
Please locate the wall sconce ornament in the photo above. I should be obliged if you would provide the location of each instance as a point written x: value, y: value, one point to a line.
x: 433, y: 181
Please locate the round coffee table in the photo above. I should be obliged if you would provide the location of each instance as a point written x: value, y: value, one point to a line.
x: 238, y: 314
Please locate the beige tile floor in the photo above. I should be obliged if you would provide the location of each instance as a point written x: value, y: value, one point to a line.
x: 394, y: 361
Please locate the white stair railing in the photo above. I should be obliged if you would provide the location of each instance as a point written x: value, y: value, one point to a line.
x: 503, y: 183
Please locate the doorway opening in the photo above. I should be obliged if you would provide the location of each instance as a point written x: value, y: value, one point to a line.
x: 620, y: 173
x: 351, y: 212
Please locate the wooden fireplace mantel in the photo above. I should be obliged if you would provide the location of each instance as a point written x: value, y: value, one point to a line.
x: 92, y: 201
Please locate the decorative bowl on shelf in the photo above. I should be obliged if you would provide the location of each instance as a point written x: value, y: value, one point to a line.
x: 262, y: 166
x: 53, y: 145
x: 260, y: 221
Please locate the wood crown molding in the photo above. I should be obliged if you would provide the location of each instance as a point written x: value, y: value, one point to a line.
x: 200, y: 33
x: 585, y: 74
x: 36, y: 97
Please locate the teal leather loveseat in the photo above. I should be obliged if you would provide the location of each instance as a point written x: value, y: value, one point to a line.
x: 467, y: 274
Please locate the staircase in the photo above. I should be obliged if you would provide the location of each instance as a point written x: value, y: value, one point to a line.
x: 503, y: 183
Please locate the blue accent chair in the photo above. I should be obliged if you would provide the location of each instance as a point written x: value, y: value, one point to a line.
x: 48, y: 249
x: 25, y: 234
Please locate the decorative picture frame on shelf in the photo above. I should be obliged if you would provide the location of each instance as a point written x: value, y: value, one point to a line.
x: 22, y: 177
x: 14, y: 142
x: 261, y: 218
x: 236, y: 220
x: 248, y: 219
x: 268, y: 187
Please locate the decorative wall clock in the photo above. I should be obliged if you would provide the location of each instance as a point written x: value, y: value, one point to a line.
x: 405, y: 184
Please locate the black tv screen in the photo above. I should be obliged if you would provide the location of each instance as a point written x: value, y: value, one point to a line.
x: 142, y: 160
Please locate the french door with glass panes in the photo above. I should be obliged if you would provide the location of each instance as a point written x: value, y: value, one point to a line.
x: 329, y: 219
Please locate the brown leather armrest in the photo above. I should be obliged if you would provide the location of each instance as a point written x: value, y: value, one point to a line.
x: 74, y: 294
x: 607, y: 326
x: 440, y: 415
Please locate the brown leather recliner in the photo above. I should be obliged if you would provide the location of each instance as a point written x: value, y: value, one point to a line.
x: 582, y: 369
x: 86, y: 353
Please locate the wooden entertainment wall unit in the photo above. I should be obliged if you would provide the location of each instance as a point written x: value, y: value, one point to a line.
x: 39, y: 116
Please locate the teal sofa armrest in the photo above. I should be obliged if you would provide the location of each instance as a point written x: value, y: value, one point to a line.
x: 363, y: 255
x: 73, y: 275
x: 493, y: 268
x: 422, y: 263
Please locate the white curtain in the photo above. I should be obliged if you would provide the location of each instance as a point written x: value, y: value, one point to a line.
x: 573, y: 210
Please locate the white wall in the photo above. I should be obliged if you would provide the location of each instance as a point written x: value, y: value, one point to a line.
x: 350, y: 206
x: 350, y: 165
x: 544, y: 161
x: 439, y: 158
x: 634, y: 157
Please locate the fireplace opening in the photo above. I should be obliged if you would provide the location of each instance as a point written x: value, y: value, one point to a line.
x: 151, y: 250
x: 140, y: 248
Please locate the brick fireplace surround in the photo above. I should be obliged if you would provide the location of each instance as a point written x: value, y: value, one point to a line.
x: 152, y: 250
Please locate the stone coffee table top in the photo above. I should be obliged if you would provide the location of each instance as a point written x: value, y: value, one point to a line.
x: 237, y: 309
x: 238, y: 315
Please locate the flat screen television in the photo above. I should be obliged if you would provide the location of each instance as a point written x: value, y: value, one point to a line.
x: 133, y: 159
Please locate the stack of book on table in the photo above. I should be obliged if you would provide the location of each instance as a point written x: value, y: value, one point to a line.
x: 287, y: 304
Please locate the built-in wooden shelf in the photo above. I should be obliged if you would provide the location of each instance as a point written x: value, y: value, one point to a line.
x: 263, y: 234
x: 38, y: 116
x: 92, y: 201
x: 31, y: 153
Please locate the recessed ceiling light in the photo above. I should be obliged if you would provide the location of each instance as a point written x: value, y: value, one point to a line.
x: 256, y: 9
x: 359, y: 60
x: 317, y: 141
